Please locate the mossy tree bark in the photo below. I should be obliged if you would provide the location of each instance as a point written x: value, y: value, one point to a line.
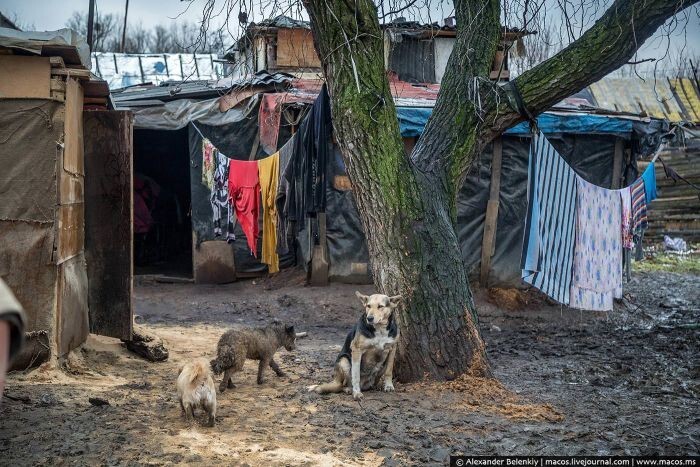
x: 408, y: 203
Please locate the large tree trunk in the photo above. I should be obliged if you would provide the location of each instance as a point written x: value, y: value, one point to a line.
x: 407, y: 204
x: 407, y: 211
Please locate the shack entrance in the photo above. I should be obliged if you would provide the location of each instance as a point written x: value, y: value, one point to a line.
x: 162, y: 217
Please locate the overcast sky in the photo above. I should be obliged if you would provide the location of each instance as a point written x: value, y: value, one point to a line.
x: 51, y: 15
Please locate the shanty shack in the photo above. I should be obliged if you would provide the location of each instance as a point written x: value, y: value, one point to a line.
x: 251, y: 118
x: 60, y: 148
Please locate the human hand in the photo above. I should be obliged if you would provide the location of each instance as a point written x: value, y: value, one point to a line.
x: 4, y: 353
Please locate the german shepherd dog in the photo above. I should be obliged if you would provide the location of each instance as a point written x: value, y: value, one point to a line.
x: 369, y: 350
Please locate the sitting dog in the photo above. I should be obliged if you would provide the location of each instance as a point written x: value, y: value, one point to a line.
x: 256, y: 344
x: 195, y: 389
x: 369, y: 350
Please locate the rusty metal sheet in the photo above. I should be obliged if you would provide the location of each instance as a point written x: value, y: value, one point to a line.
x: 108, y: 221
x: 688, y: 96
x: 653, y: 97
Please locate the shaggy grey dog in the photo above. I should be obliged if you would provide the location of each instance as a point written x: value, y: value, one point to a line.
x: 261, y: 344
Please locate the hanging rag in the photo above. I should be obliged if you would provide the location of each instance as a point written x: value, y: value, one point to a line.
x: 626, y: 219
x: 282, y: 199
x: 268, y: 170
x: 244, y: 195
x: 269, y: 119
x: 649, y: 177
x: 639, y: 207
x: 597, y: 273
x: 208, y: 163
x: 306, y: 171
x: 548, y: 244
x: 220, y: 206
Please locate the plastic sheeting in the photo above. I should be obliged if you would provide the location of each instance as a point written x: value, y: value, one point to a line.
x: 412, y: 120
x: 177, y: 114
x: 123, y: 70
x: 35, y: 41
x: 591, y: 156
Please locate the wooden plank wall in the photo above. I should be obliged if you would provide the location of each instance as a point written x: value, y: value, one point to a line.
x: 676, y: 212
x: 109, y: 221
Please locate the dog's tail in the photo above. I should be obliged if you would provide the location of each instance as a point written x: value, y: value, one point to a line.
x: 327, y: 388
x: 200, y: 371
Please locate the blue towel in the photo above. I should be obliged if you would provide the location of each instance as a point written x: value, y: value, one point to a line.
x: 649, y: 177
x: 548, y: 244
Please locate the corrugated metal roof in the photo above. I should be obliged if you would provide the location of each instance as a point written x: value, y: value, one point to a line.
x: 688, y: 96
x: 173, y: 90
x: 655, y: 98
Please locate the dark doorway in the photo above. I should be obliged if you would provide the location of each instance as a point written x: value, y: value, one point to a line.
x: 162, y: 223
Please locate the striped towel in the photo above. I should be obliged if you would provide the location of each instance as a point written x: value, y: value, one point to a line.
x: 548, y: 244
x: 639, y: 207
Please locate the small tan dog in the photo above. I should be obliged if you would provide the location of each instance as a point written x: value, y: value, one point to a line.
x: 195, y: 388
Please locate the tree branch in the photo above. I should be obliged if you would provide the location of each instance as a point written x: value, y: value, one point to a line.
x: 607, y: 45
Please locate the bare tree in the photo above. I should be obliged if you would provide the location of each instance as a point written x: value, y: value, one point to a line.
x: 138, y: 39
x: 105, y: 30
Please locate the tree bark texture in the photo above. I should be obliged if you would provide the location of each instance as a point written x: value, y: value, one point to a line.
x: 408, y: 203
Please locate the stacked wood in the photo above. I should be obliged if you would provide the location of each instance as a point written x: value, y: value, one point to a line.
x: 676, y: 212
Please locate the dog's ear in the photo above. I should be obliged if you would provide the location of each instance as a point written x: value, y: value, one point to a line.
x: 363, y: 298
x: 395, y: 300
x: 290, y: 330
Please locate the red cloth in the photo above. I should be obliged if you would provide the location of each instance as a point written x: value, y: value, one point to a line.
x: 244, y: 195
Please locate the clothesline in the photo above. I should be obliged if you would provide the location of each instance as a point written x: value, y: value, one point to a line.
x: 576, y: 232
x: 204, y: 137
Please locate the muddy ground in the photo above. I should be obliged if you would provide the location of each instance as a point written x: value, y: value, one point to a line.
x: 624, y: 382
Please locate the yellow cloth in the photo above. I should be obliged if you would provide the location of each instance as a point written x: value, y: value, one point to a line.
x: 268, y: 172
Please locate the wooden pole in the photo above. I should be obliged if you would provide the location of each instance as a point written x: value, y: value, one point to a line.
x: 91, y: 23
x: 126, y: 12
x: 488, y: 244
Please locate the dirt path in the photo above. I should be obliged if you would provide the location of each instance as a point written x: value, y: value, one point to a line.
x: 577, y: 383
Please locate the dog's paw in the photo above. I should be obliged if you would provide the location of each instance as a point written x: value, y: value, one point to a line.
x: 312, y: 388
x: 357, y: 395
x: 347, y: 390
x: 388, y: 387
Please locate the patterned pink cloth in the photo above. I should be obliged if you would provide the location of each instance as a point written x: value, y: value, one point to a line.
x: 626, y: 200
x: 597, y: 272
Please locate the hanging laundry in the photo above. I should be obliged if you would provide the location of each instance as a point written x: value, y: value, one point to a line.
x: 269, y: 118
x: 221, y: 208
x: 549, y: 231
x: 282, y: 198
x: 626, y: 219
x: 268, y: 172
x: 597, y: 272
x: 649, y: 177
x: 306, y: 172
x: 639, y: 207
x: 244, y: 195
x: 208, y: 163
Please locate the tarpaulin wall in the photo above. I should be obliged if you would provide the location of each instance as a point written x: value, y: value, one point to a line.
x: 347, y: 249
x: 591, y: 156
